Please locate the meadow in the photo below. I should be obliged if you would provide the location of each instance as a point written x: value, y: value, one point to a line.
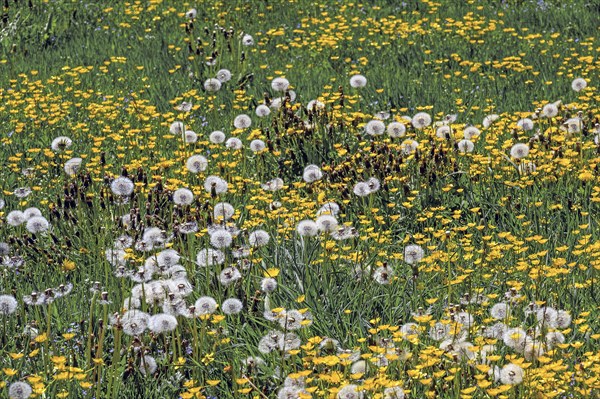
x: 299, y: 199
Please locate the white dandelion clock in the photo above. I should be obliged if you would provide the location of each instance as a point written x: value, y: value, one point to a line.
x: 273, y: 185
x: 224, y: 75
x: 221, y: 239
x: 525, y: 124
x: 177, y: 128
x: 550, y: 110
x: 312, y: 173
x: 19, y: 390
x: 465, y: 146
x: 232, y: 306
x: 229, y: 275
x: 375, y: 128
x: 258, y: 238
x: 183, y: 196
x: 315, y: 105
x: 307, y: 228
x: 196, y: 164
x: 511, y: 374
x: 578, y: 84
x: 396, y: 129
x: 519, y: 151
x: 488, y: 120
x: 205, y: 305
x: 327, y: 223
x: 191, y: 13
x: 190, y: 136
x: 350, y: 391
x: 16, y: 218
x: 122, y: 186
x: 362, y: 189
x: 358, y: 81
x: 217, y: 137
x: 210, y: 257
x: 409, y: 146
x: 280, y: 84
x: 212, y: 85
x: 8, y: 305
x: 72, y: 166
x: 61, y: 143
x: 234, y: 143
x: 421, y: 120
x: 257, y: 145
x: 413, y: 254
x: 262, y: 111
x: 242, y: 121
x: 223, y: 211
x: 500, y: 311
x: 471, y: 132
x: 216, y: 184
x: 161, y: 323
x: 247, y: 40
x: 37, y: 224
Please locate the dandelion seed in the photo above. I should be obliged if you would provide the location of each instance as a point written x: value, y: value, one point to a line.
x: 122, y: 186
x: 135, y: 322
x: 216, y: 184
x: 224, y: 75
x: 273, y: 185
x: 315, y: 105
x: 280, y: 84
x: 396, y: 129
x: 554, y: 338
x: 217, y: 137
x: 247, y: 40
x: 210, y: 257
x: 191, y: 13
x: 525, y: 124
x: 383, y: 275
x: 519, y: 151
x: 547, y: 316
x: 61, y: 143
x: 421, y: 120
x: 232, y: 306
x: 196, y: 164
x: 307, y: 228
x: 37, y: 224
x: 177, y: 128
x: 514, y: 337
x: 161, y: 323
x: 439, y: 331
x: 205, y: 305
x: 327, y: 223
x: 361, y: 189
x: 184, y: 107
x: 257, y: 145
x: 471, y: 132
x: 268, y: 284
x: 4, y: 249
x: 258, y: 238
x: 579, y: 84
x: 242, y: 121
x: 223, y: 211
x: 409, y: 146
x: 413, y: 254
x: 573, y: 125
x: 443, y: 132
x: 375, y: 127
x: 550, y: 110
x: 148, y: 365
x: 72, y: 166
x: 358, y: 81
x: 563, y: 319
x: 234, y: 143
x: 465, y: 146
x: 8, y: 305
x: 500, y: 311
x: 488, y: 120
x: 330, y: 208
x: 190, y: 136
x: 393, y: 393
x: 350, y: 391
x: 312, y: 173
x: 19, y: 390
x: 16, y: 218
x: 212, y: 85
x: 262, y: 111
x: 511, y: 374
x: 221, y: 239
x: 183, y: 196
x: 22, y: 192
x: 168, y: 257
x: 358, y: 367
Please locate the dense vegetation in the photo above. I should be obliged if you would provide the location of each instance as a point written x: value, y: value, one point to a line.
x: 254, y: 199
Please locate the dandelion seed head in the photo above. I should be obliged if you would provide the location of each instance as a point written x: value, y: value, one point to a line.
x: 242, y: 121
x: 183, y: 196
x: 221, y: 239
x: 190, y: 136
x: 61, y: 143
x: 196, y: 164
x: 212, y: 85
x: 578, y: 84
x: 37, y: 224
x: 375, y: 127
x: 280, y: 84
x: 258, y: 238
x: 161, y: 323
x: 72, y: 166
x: 217, y: 137
x: 257, y: 145
x: 519, y: 151
x: 307, y: 228
x: 122, y: 186
x: 16, y: 218
x: 358, y: 81
x: 232, y: 306
x: 19, y: 390
x: 396, y: 129
x: 421, y: 120
x: 177, y: 128
x: 8, y: 305
x: 224, y: 75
